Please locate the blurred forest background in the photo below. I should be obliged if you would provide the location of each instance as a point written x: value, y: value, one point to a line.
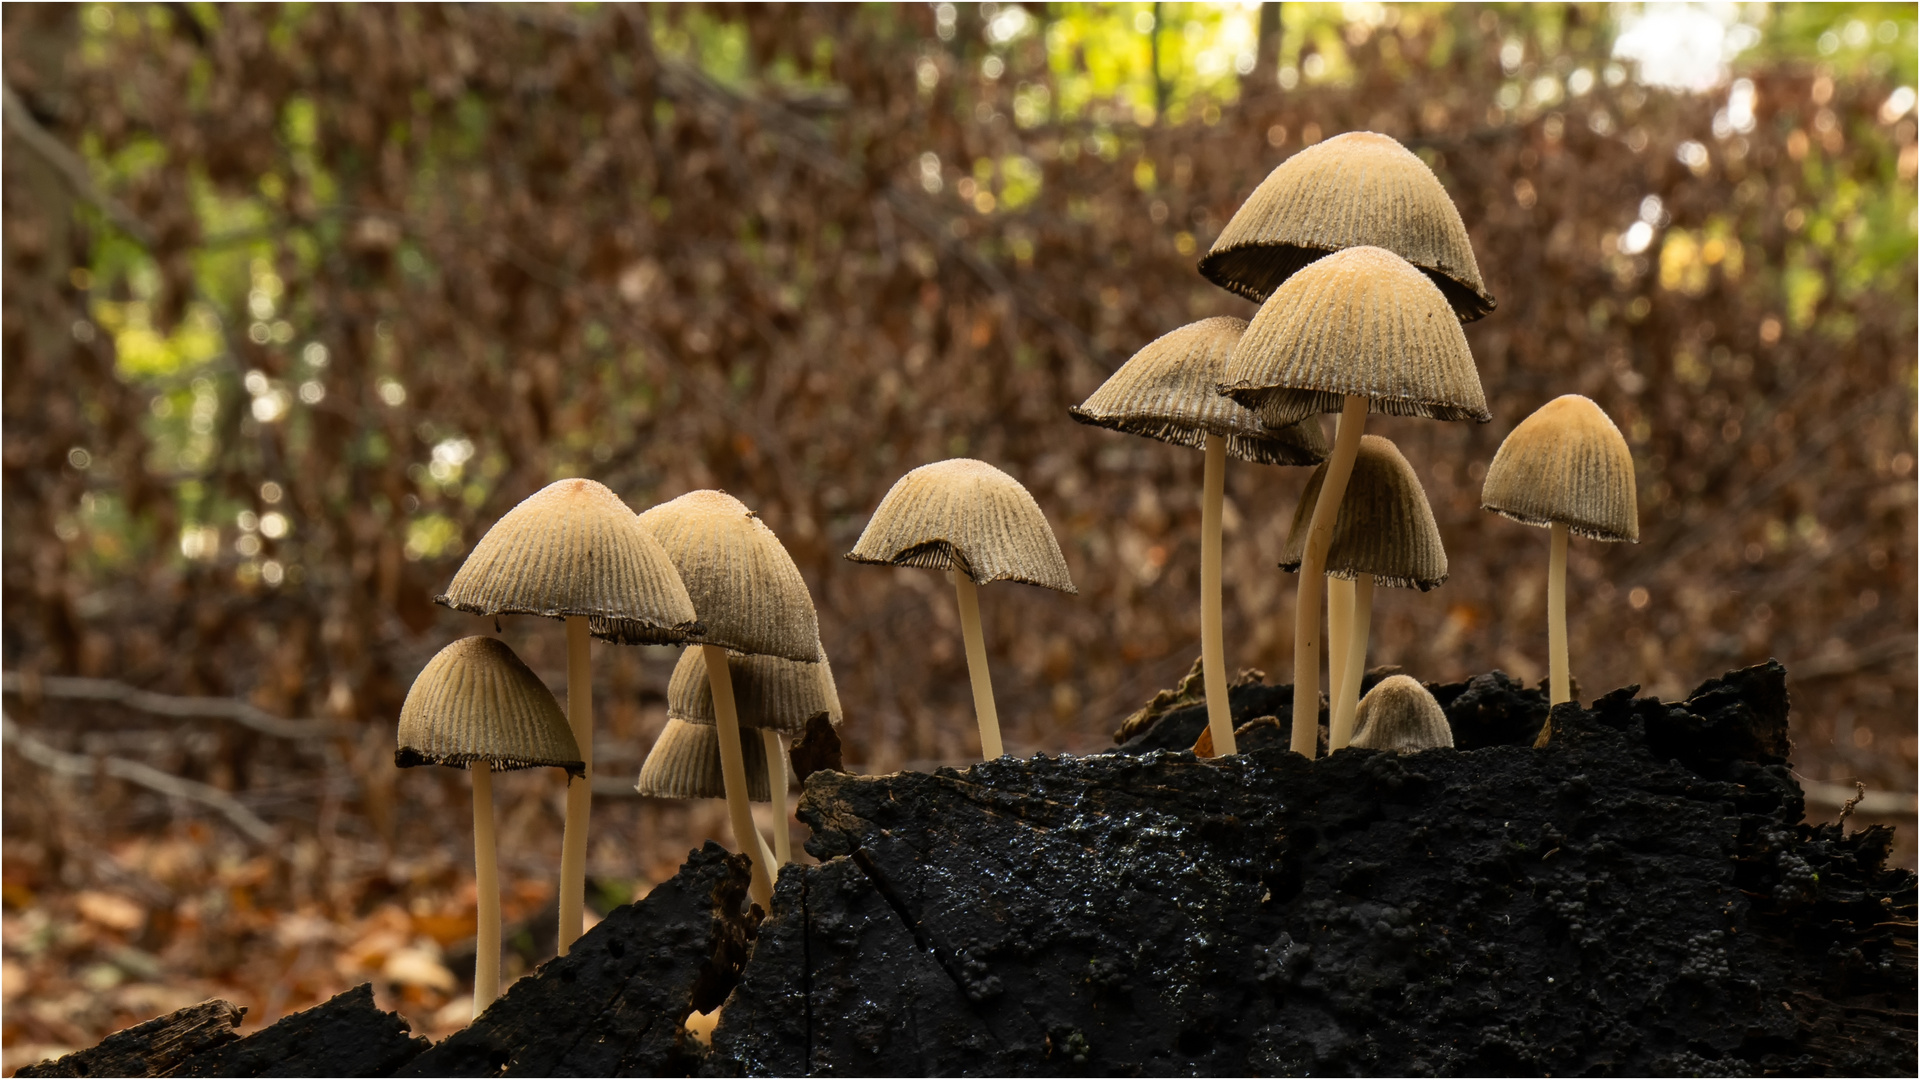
x: 299, y: 300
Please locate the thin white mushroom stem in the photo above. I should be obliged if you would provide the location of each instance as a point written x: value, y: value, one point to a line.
x: 1558, y: 680
x: 573, y: 842
x: 983, y: 709
x: 1213, y: 661
x: 777, y: 786
x: 486, y: 873
x: 1313, y: 567
x: 1346, y: 704
x: 733, y: 772
x: 1339, y: 631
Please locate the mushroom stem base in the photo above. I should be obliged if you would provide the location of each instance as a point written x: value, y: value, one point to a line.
x: 777, y: 787
x: 1313, y: 567
x: 1213, y: 660
x: 733, y: 771
x: 969, y: 597
x: 1346, y: 702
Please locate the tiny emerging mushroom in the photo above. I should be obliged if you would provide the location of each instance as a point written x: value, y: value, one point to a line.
x: 477, y: 706
x: 1400, y: 714
x: 970, y: 518
x: 574, y: 551
x: 1385, y: 535
x: 1169, y: 391
x: 1568, y: 468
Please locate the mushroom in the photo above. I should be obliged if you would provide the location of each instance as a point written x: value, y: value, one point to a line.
x: 1360, y: 329
x: 752, y: 601
x: 1568, y: 468
x: 685, y: 763
x: 970, y: 518
x: 574, y: 551
x: 1400, y: 714
x: 1385, y: 535
x: 773, y: 696
x: 477, y: 706
x: 1359, y: 189
x: 1170, y: 391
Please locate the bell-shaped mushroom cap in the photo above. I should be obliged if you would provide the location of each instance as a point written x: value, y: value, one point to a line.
x: 1354, y: 190
x: 1566, y: 463
x: 1385, y: 527
x: 1361, y: 321
x: 968, y: 516
x: 1399, y: 714
x: 685, y: 764
x: 768, y: 692
x: 750, y: 596
x: 476, y: 701
x: 1170, y: 391
x: 573, y: 548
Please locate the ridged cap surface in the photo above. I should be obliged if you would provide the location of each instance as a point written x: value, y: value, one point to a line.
x: 1567, y: 463
x: 750, y: 596
x: 573, y: 548
x: 1399, y: 714
x: 768, y: 692
x: 477, y: 701
x: 968, y: 516
x: 1360, y: 321
x: 1385, y: 527
x: 1170, y: 391
x: 1353, y: 190
x: 685, y: 764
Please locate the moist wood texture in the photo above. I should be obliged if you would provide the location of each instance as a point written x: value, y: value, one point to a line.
x: 151, y: 1048
x: 346, y: 1036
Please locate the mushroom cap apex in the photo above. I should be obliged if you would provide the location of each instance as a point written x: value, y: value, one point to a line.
x: 1401, y: 714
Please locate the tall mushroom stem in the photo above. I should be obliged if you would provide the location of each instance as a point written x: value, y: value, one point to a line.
x: 486, y: 873
x: 733, y: 772
x: 573, y: 842
x: 1213, y: 661
x: 777, y: 787
x: 1557, y: 617
x: 1313, y: 565
x: 1339, y: 631
x: 983, y: 709
x: 1346, y: 701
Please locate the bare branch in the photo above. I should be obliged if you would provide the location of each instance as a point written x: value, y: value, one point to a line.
x: 71, y: 168
x: 240, y: 712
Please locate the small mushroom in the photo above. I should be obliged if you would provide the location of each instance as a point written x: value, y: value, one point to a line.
x: 752, y: 600
x: 970, y: 518
x: 1170, y: 391
x: 574, y: 551
x: 685, y: 763
x: 1360, y: 329
x: 1385, y: 535
x: 1359, y: 189
x: 772, y: 696
x: 1568, y: 468
x: 477, y: 706
x: 1400, y: 714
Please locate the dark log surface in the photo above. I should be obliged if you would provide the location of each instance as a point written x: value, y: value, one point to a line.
x: 1638, y: 898
x: 153, y: 1047
x: 345, y: 1036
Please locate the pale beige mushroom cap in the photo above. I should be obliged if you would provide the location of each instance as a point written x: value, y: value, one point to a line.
x: 1361, y: 321
x: 685, y: 764
x: 573, y: 548
x: 968, y: 516
x: 750, y: 596
x: 1566, y: 463
x: 1400, y: 714
x: 1385, y: 527
x: 768, y: 692
x: 1170, y: 391
x: 477, y: 701
x: 1353, y: 190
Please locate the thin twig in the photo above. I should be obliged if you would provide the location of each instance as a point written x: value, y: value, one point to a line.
x: 71, y: 168
x: 240, y: 712
x: 146, y: 776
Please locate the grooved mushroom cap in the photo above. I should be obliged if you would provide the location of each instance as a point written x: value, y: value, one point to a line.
x: 573, y: 548
x: 749, y: 594
x: 1361, y: 321
x: 476, y: 701
x: 1170, y: 391
x: 1399, y: 714
x: 1566, y: 463
x: 968, y: 516
x: 685, y: 764
x: 768, y: 692
x: 1385, y: 527
x: 1354, y: 190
